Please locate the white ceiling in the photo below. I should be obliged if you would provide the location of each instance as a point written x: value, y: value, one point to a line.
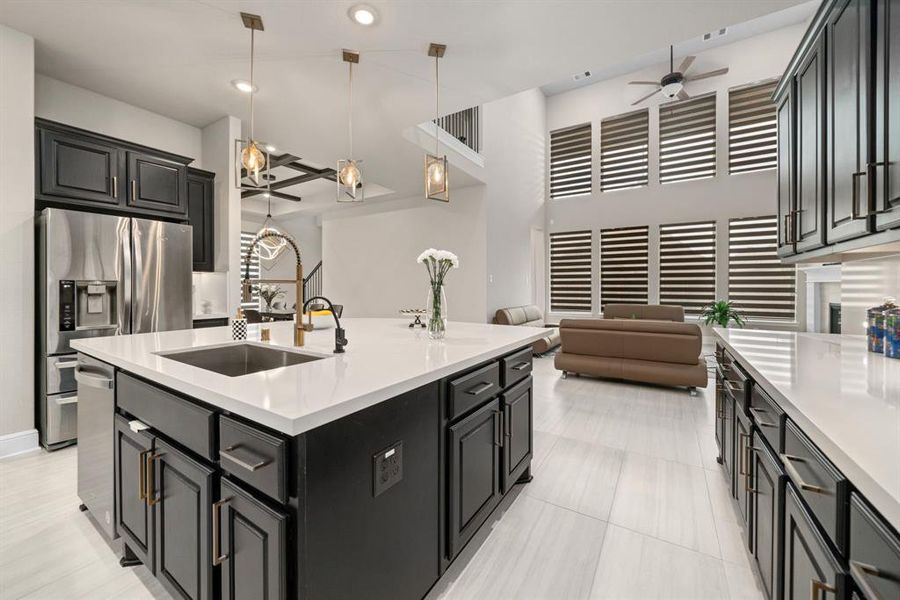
x: 177, y: 58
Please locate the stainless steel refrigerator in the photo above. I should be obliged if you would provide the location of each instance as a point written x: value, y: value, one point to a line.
x: 101, y: 275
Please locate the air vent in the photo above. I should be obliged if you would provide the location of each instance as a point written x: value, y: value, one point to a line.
x: 582, y: 75
x: 714, y: 34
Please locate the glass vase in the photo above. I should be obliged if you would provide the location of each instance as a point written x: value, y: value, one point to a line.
x: 436, y: 311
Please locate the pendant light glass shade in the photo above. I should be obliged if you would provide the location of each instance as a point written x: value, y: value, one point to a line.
x: 437, y: 174
x: 269, y: 248
x: 251, y: 160
x: 349, y: 171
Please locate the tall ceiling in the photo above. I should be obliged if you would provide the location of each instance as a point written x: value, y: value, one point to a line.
x: 177, y: 58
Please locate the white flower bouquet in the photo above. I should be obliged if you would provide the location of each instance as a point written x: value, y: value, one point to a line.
x: 438, y: 263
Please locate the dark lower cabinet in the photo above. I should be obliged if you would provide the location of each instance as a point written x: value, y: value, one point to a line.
x: 253, y: 542
x: 134, y: 516
x: 728, y: 456
x: 874, y: 556
x: 720, y: 416
x: 811, y: 569
x: 474, y: 457
x: 201, y: 216
x: 77, y: 167
x: 156, y: 184
x: 518, y: 440
x: 767, y: 499
x: 742, y: 474
x: 886, y: 167
x: 182, y: 495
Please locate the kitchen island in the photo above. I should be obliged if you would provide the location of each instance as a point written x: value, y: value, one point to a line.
x: 349, y: 475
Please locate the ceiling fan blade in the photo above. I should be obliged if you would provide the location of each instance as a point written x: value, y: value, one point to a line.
x: 683, y: 95
x: 643, y: 83
x: 707, y: 75
x: 686, y: 63
x: 642, y: 98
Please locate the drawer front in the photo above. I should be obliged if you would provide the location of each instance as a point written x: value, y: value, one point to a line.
x: 768, y: 417
x: 811, y: 569
x: 255, y: 457
x: 515, y: 367
x: 874, y: 552
x: 471, y: 390
x: 187, y: 423
x: 820, y: 484
x: 61, y: 374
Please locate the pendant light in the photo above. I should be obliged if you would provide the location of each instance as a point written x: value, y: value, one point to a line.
x: 349, y: 179
x: 252, y: 160
x: 437, y: 184
x: 269, y: 248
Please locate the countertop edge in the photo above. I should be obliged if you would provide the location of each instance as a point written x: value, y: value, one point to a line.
x: 884, y: 503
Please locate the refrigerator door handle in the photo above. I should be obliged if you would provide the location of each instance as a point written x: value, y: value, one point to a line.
x: 125, y: 277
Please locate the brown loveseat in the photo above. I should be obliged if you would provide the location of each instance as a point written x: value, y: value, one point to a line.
x: 652, y: 351
x: 531, y: 316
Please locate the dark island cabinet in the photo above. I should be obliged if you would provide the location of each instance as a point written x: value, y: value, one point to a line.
x: 251, y: 539
x: 134, y: 516
x: 201, y: 216
x: 874, y: 556
x: 742, y: 474
x: 767, y: 499
x: 518, y: 439
x: 886, y: 166
x: 811, y: 569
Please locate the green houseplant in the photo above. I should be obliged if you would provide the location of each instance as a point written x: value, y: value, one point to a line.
x: 722, y: 312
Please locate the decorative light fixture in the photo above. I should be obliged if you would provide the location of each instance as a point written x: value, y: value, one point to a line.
x: 251, y: 159
x: 349, y: 175
x: 363, y: 14
x: 269, y: 248
x: 437, y: 184
x: 242, y: 85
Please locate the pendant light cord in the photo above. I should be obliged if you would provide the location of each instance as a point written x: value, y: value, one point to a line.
x: 252, y: 88
x: 437, y: 97
x: 350, y: 110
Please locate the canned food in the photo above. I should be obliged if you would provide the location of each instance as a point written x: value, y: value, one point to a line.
x: 892, y: 333
x: 875, y: 325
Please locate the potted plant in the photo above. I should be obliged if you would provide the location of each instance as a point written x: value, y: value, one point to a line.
x: 722, y: 313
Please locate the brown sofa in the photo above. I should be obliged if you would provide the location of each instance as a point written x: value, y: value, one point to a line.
x: 656, y: 312
x: 531, y: 316
x: 651, y: 351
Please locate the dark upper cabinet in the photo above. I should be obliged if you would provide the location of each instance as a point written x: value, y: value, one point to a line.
x: 847, y: 39
x: 253, y: 542
x: 518, y: 441
x: 886, y: 166
x: 811, y: 569
x: 181, y: 493
x: 200, y: 195
x: 134, y: 515
x: 806, y: 219
x: 474, y: 456
x: 767, y: 498
x: 156, y: 183
x: 75, y: 166
x: 786, y: 189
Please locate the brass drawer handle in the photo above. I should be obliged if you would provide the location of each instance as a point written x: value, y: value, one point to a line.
x: 818, y: 589
x: 759, y: 421
x: 861, y: 572
x: 498, y: 429
x: 788, y: 461
x: 226, y: 454
x: 485, y: 386
x: 153, y: 497
x: 521, y: 366
x: 733, y: 386
x: 115, y: 182
x: 217, y: 558
x: 142, y: 474
x: 134, y: 189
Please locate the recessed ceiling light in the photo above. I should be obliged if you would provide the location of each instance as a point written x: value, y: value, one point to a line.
x: 363, y: 14
x: 243, y: 85
x: 270, y: 148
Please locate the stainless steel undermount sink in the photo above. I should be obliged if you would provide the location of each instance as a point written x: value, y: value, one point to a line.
x: 235, y: 360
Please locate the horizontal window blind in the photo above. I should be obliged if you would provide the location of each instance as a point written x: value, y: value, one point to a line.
x: 687, y: 139
x: 247, y: 239
x: 752, y: 128
x: 759, y: 284
x: 570, y: 161
x: 687, y: 265
x: 623, y: 265
x: 624, y: 143
x: 570, y: 271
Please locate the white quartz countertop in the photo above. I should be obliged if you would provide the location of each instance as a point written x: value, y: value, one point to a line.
x: 383, y: 359
x: 206, y: 316
x: 846, y: 399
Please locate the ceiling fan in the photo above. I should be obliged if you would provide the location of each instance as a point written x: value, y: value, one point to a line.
x: 672, y: 84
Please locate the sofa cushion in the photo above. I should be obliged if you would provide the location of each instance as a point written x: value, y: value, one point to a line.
x: 528, y: 315
x: 658, y: 312
x: 658, y: 341
x: 547, y: 343
x: 633, y: 370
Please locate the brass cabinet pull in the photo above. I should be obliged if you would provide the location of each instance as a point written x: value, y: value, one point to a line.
x: 733, y: 386
x: 218, y: 558
x: 498, y: 429
x: 507, y: 421
x: 818, y: 588
x: 115, y: 182
x: 152, y: 497
x: 720, y: 412
x: 756, y: 413
x: 861, y: 572
x: 788, y: 461
x: 521, y: 366
x: 134, y: 189
x: 854, y: 196
x: 887, y: 207
x: 742, y: 469
x: 142, y: 473
x: 226, y: 454
x: 485, y: 386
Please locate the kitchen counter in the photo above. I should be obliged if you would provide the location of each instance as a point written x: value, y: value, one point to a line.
x: 384, y: 358
x: 207, y: 316
x: 846, y: 399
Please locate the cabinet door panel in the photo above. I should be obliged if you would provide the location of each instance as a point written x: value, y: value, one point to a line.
x: 183, y: 495
x: 474, y: 472
x: 811, y: 570
x: 887, y: 114
x: 134, y: 517
x: 79, y: 168
x: 157, y: 184
x: 254, y: 544
x: 767, y: 499
x: 200, y: 215
x: 807, y: 222
x: 786, y: 189
x: 518, y: 436
x: 847, y: 82
x: 728, y: 426
x: 743, y: 443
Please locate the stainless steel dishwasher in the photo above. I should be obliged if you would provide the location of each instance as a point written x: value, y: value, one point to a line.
x: 96, y: 409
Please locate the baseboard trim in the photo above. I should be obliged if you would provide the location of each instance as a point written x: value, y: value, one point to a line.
x: 18, y: 442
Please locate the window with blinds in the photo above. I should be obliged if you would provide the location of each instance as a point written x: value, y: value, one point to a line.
x: 624, y: 151
x: 687, y: 265
x: 570, y: 161
x: 570, y: 271
x: 246, y: 240
x: 752, y: 128
x: 759, y: 284
x: 687, y: 139
x: 623, y: 265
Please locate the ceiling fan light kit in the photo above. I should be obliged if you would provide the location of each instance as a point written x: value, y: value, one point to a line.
x: 672, y: 83
x: 251, y: 169
x: 437, y: 175
x: 349, y: 178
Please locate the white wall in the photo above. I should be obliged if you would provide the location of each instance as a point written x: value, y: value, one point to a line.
x: 720, y: 198
x: 17, y: 432
x: 76, y: 106
x: 864, y: 284
x: 514, y: 150
x: 369, y: 257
